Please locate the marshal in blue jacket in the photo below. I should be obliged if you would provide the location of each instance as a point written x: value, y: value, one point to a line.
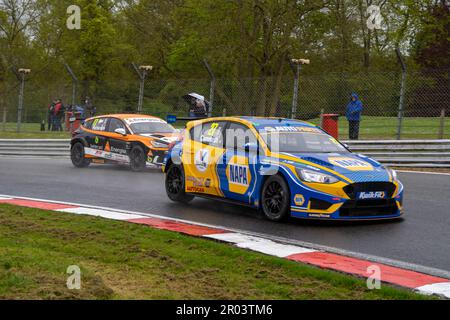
x: 354, y: 109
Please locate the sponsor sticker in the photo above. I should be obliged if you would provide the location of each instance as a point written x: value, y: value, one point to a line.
x: 371, y: 195
x: 299, y: 199
x: 319, y: 215
x: 195, y: 189
x: 202, y: 159
x: 238, y: 174
x: 351, y: 163
x: 140, y: 120
x: 292, y: 129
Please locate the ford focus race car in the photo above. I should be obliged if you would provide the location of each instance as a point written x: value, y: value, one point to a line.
x: 137, y: 140
x: 282, y: 167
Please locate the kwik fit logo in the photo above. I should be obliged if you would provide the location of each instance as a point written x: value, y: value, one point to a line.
x: 372, y: 195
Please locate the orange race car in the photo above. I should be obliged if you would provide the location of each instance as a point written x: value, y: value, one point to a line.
x: 134, y: 139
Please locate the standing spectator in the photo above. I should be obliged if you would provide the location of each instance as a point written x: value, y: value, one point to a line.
x: 57, y: 110
x: 50, y: 120
x: 353, y: 115
x: 88, y: 110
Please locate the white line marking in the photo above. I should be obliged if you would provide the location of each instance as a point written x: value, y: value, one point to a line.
x: 102, y: 213
x: 259, y: 244
x: 5, y: 198
x: 441, y: 289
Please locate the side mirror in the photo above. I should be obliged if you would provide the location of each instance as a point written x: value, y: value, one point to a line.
x: 121, y: 131
x: 250, y: 147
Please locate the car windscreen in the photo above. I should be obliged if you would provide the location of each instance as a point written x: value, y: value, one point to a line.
x: 302, y: 142
x: 140, y: 127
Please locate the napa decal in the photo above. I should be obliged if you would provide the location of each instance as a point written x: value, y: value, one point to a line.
x: 299, y: 199
x: 371, y: 195
x: 238, y: 174
x: 351, y: 164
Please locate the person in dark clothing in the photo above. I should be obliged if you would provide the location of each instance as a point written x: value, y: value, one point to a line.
x: 353, y: 115
x: 50, y: 118
x: 57, y: 111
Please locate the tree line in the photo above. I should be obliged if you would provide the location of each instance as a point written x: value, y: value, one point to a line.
x: 246, y: 40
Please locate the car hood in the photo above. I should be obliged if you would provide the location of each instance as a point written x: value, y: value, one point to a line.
x: 165, y: 137
x: 353, y: 166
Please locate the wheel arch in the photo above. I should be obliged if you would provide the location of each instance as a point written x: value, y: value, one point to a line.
x: 280, y: 172
x: 79, y: 139
x: 140, y: 144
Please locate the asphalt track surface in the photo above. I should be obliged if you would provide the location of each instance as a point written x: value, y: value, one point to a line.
x: 422, y: 237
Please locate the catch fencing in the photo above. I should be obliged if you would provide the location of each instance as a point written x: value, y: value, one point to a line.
x: 425, y: 113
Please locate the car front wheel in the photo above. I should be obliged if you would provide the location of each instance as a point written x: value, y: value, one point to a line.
x: 275, y: 199
x: 137, y: 159
x: 175, y: 185
x: 77, y: 156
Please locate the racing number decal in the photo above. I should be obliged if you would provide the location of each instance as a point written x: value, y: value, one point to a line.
x: 211, y: 132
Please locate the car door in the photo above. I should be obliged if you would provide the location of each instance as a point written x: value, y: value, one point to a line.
x: 237, y: 170
x: 96, y: 139
x: 117, y: 144
x: 201, y: 153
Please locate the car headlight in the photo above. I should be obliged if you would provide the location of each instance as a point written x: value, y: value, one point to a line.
x: 312, y: 176
x: 157, y: 144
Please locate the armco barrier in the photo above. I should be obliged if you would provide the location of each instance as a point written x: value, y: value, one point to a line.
x: 399, y: 153
x: 35, y: 148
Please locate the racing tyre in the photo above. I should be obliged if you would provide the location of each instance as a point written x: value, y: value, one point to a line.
x: 137, y: 159
x: 77, y: 156
x: 175, y: 184
x: 275, y: 198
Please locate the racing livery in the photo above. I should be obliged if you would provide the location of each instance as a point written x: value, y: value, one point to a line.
x: 137, y: 140
x: 282, y: 167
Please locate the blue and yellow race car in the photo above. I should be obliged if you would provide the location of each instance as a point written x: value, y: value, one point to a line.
x: 282, y: 167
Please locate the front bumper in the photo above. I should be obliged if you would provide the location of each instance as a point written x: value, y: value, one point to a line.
x: 155, y: 158
x: 308, y: 204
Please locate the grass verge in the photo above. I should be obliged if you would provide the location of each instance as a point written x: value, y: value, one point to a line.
x: 121, y: 260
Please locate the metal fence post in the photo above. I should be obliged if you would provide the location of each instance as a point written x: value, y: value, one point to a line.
x: 212, y: 87
x: 402, y: 94
x: 295, y: 95
x: 74, y: 83
x: 142, y: 75
x: 20, y: 107
x: 295, y: 65
x: 4, y: 116
x: 442, y: 125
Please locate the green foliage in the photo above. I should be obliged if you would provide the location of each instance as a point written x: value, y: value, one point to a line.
x: 242, y: 40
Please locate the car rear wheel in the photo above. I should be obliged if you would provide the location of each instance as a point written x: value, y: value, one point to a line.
x: 137, y: 159
x: 175, y: 184
x: 77, y: 156
x: 275, y: 198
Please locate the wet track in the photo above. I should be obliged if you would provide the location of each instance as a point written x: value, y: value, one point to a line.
x: 422, y: 237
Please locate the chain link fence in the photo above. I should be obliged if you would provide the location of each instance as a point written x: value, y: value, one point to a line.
x: 425, y: 115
